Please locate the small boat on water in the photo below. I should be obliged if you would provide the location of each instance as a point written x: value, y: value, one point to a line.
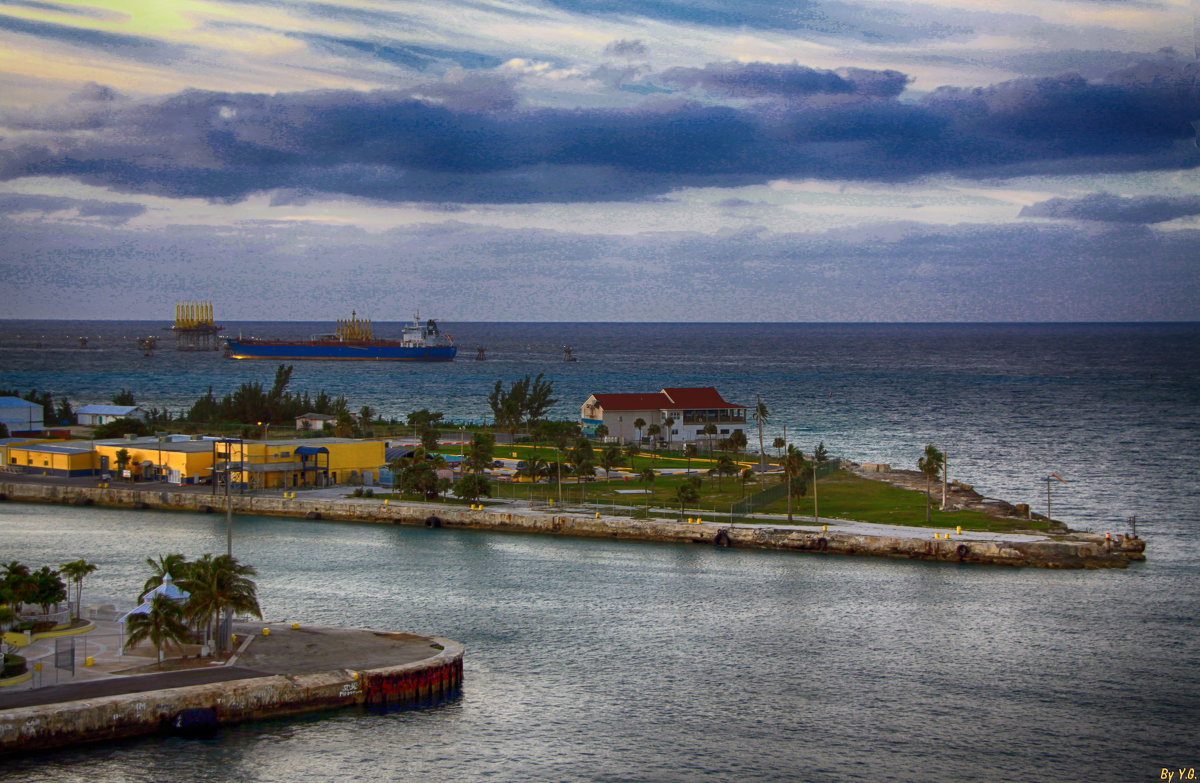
x: 353, y: 340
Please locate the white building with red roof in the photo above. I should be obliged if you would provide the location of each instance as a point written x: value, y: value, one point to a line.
x: 691, y: 409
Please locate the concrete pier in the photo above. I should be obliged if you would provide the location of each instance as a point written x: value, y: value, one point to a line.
x: 290, y: 671
x: 1057, y: 550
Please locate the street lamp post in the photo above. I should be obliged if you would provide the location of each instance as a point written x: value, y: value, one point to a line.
x: 1048, y: 478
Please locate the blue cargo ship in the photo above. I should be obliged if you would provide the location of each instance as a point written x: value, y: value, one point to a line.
x: 353, y: 340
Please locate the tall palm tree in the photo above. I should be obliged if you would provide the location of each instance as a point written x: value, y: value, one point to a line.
x: 710, y: 429
x: 725, y: 467
x: 75, y: 571
x: 162, y: 624
x: 647, y: 476
x: 761, y: 415
x: 638, y: 424
x: 174, y: 564
x: 931, y: 465
x: 668, y: 424
x: 220, y: 583
x: 653, y: 432
x: 793, y: 468
x: 746, y: 474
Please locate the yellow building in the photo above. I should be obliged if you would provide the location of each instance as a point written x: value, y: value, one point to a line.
x: 61, y: 459
x: 303, y: 462
x: 175, y: 459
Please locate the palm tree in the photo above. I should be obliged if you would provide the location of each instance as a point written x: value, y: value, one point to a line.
x: 162, y: 624
x: 710, y: 429
x: 690, y: 451
x: 761, y: 415
x: 647, y: 476
x: 778, y: 445
x: 653, y: 432
x: 75, y: 571
x: 686, y: 493
x: 931, y: 466
x: 747, y: 474
x: 583, y: 463
x: 668, y: 424
x: 793, y: 468
x: 601, y: 432
x: 220, y: 583
x: 174, y: 564
x: 122, y: 460
x: 725, y: 467
x: 396, y: 465
x: 737, y: 441
x: 638, y: 423
x: 611, y: 458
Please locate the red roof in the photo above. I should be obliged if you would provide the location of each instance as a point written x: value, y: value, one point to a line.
x: 632, y: 402
x: 706, y: 398
x: 696, y: 399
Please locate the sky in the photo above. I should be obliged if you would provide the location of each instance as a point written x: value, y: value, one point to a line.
x: 608, y: 160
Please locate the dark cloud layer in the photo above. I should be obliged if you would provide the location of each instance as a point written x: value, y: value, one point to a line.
x: 789, y: 82
x: 114, y: 212
x: 1110, y: 208
x: 471, y: 141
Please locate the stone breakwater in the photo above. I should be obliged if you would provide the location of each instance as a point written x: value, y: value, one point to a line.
x: 1069, y: 550
x: 48, y: 726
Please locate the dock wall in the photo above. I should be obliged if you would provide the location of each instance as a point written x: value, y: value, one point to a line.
x: 49, y: 726
x: 1072, y: 550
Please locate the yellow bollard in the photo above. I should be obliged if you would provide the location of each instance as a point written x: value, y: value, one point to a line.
x: 295, y: 626
x: 689, y: 520
x: 958, y: 530
x: 597, y: 515
x: 37, y: 667
x: 385, y: 501
x: 699, y: 521
x: 354, y: 675
x: 89, y: 661
x: 266, y: 632
x: 824, y: 528
x: 234, y: 638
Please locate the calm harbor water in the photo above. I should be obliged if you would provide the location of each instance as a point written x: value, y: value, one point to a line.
x: 599, y: 660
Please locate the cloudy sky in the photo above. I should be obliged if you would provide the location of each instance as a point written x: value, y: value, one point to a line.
x: 646, y: 160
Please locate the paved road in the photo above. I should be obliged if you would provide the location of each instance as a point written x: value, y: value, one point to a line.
x: 112, y: 686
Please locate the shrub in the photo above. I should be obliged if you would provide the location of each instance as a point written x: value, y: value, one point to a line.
x: 14, y: 665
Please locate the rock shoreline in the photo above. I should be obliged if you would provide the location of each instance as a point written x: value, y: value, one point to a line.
x: 1068, y: 550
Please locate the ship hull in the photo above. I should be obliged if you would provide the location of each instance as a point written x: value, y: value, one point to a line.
x: 239, y: 349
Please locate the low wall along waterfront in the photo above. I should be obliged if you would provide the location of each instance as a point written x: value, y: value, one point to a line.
x: 196, y: 707
x: 1071, y: 550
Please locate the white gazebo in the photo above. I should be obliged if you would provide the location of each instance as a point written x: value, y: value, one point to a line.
x: 168, y: 589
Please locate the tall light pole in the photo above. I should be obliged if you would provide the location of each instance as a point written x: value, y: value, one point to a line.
x: 1051, y: 476
x: 816, y: 509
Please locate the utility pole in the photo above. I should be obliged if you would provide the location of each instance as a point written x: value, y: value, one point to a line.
x: 816, y: 510
x: 945, y: 476
x: 1051, y: 476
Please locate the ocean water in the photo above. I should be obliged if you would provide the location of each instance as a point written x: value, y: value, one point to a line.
x: 596, y: 660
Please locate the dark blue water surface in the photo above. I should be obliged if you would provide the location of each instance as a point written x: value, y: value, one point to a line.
x: 597, y: 660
